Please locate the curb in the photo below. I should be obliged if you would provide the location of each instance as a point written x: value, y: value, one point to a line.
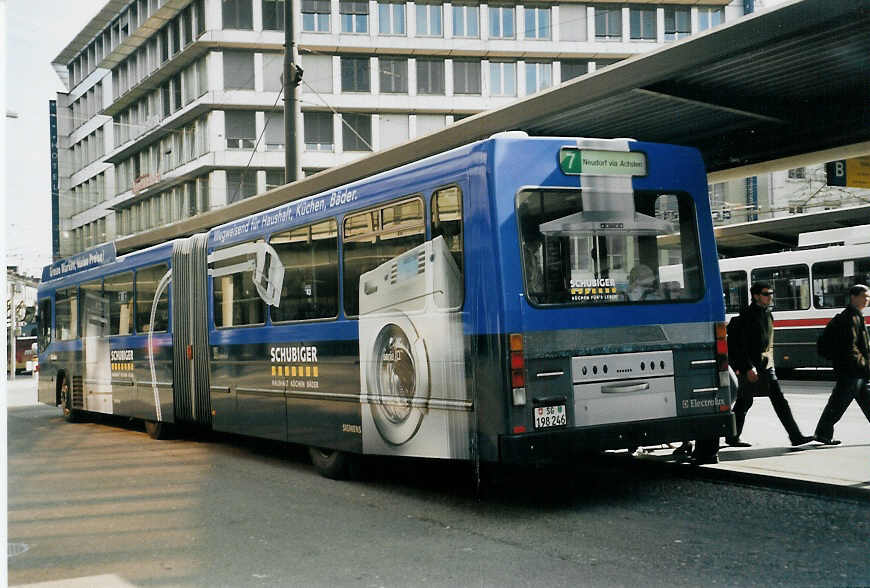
x: 814, y: 487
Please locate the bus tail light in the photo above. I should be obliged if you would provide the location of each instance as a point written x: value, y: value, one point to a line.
x: 518, y: 367
x: 721, y: 348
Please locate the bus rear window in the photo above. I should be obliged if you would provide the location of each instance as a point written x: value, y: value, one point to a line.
x: 615, y: 248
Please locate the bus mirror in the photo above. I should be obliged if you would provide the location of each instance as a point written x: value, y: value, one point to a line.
x: 268, y: 274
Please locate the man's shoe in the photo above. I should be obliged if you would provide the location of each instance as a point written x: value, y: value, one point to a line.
x: 736, y: 442
x: 827, y: 441
x: 704, y: 460
x: 803, y: 440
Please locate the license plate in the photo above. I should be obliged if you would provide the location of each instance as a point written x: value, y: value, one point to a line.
x: 550, y: 416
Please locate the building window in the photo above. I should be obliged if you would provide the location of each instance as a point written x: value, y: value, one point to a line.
x: 274, y: 178
x: 709, y: 17
x: 241, y: 184
x: 391, y: 18
x: 430, y: 76
x: 199, y: 11
x: 429, y: 20
x: 642, y: 24
x: 273, y: 15
x: 503, y: 78
x: 678, y: 23
x: 357, y: 132
x: 608, y: 23
x: 501, y: 22
x: 274, y: 132
x: 466, y: 21
x: 574, y: 69
x: 238, y: 70
x: 318, y: 131
x: 315, y: 16
x: 238, y: 14
x: 537, y: 22
x: 539, y: 76
x: 355, y: 76
x: 273, y: 68
x: 354, y: 16
x: 466, y: 77
x: 240, y: 129
x: 393, y: 75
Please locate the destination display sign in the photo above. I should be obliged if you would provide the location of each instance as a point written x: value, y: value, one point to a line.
x: 82, y: 261
x: 575, y: 161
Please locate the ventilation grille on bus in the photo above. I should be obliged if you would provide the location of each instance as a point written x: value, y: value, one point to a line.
x: 78, y: 392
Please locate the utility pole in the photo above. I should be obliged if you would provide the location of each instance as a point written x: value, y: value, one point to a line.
x: 292, y: 77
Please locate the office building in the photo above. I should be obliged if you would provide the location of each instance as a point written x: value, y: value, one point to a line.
x: 174, y: 107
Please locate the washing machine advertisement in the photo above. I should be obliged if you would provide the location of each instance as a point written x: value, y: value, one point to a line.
x: 412, y: 356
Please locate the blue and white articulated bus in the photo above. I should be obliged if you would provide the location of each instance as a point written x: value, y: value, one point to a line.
x: 500, y: 302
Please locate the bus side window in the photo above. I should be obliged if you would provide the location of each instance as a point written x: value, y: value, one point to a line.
x: 832, y: 280
x: 236, y: 300
x: 375, y: 237
x: 94, y: 309
x: 147, y: 280
x: 66, y: 305
x: 310, y: 258
x: 791, y: 284
x: 447, y: 220
x: 119, y: 290
x: 736, y: 291
x: 44, y: 320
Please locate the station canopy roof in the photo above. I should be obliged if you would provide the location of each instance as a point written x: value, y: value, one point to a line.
x: 779, y: 88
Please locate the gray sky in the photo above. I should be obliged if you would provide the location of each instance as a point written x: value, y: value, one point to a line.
x: 36, y: 31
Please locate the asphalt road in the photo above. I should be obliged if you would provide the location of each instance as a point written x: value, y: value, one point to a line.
x: 102, y: 498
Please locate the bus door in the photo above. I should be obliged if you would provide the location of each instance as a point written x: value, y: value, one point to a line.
x: 96, y: 353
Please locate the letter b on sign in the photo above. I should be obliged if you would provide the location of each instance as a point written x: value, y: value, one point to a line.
x: 836, y: 172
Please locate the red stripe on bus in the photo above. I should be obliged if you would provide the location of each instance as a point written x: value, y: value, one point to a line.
x: 809, y: 322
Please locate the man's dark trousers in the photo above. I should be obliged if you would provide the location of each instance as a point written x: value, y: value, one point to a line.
x: 745, y: 395
x: 846, y: 389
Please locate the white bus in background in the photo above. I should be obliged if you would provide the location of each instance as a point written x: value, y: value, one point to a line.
x: 811, y: 285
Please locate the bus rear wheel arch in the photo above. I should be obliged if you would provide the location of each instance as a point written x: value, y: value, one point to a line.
x: 64, y: 393
x: 334, y: 464
x: 158, y: 429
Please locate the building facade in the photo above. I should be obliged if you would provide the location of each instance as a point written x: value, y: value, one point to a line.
x: 174, y: 107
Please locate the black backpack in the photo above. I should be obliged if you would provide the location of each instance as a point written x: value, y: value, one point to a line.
x: 826, y: 344
x: 732, y: 333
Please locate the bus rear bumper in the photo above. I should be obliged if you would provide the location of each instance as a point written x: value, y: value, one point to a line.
x: 557, y: 444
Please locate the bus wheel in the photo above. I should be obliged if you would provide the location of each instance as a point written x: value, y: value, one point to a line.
x: 157, y: 429
x: 333, y: 464
x: 70, y: 414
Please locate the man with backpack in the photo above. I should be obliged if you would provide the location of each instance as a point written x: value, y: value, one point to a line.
x: 848, y: 344
x: 750, y: 353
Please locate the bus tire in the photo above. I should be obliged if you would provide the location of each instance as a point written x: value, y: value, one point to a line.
x: 70, y: 414
x: 157, y: 429
x: 332, y: 464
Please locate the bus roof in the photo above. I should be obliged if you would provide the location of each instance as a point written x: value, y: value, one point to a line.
x: 840, y: 236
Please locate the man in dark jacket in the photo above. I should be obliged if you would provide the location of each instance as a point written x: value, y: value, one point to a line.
x: 851, y: 364
x: 752, y: 359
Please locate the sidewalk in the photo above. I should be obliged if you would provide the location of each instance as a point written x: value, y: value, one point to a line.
x: 841, y: 470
